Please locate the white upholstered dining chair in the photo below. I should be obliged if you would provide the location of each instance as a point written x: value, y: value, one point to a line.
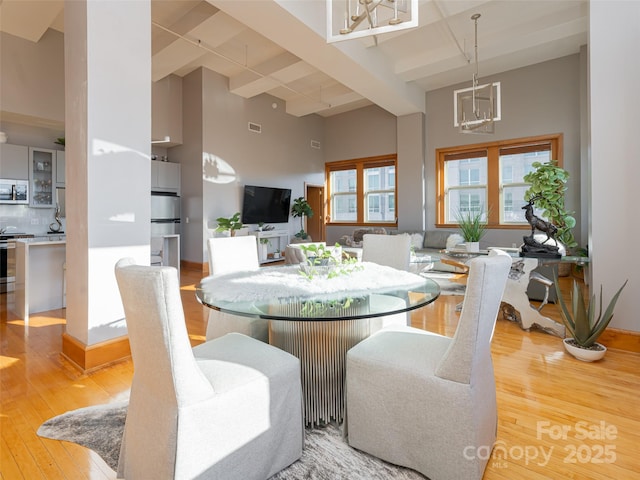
x: 202, y: 412
x: 426, y: 401
x: 226, y: 255
x: 392, y: 251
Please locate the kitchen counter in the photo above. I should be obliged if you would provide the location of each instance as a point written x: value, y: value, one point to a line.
x: 39, y: 275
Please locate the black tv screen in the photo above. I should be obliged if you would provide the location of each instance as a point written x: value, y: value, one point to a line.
x: 265, y: 204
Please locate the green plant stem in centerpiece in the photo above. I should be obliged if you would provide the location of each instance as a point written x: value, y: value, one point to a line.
x: 320, y: 260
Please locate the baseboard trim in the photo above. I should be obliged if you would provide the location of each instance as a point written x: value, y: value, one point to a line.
x: 93, y: 357
x: 617, y: 339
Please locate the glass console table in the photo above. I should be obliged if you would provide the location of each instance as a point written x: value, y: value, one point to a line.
x: 515, y: 293
x: 318, y: 319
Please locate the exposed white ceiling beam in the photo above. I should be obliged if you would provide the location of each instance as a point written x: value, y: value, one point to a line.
x: 29, y: 19
x: 261, y: 78
x: 299, y: 28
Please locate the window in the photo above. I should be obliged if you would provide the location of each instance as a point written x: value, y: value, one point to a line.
x: 489, y: 178
x: 362, y: 191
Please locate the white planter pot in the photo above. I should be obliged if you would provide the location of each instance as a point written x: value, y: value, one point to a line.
x: 584, y: 354
x: 473, y: 246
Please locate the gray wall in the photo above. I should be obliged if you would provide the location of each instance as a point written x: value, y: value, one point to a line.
x: 361, y: 133
x: 33, y: 77
x: 230, y: 156
x: 536, y: 100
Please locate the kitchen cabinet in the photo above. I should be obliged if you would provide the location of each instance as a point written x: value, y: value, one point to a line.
x: 165, y: 177
x: 42, y: 169
x: 14, y: 161
x: 60, y: 166
x: 166, y: 111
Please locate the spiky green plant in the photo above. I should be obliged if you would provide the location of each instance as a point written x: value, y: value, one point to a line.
x: 581, y: 321
x: 471, y: 225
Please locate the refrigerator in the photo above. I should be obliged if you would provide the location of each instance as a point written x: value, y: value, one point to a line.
x: 165, y: 214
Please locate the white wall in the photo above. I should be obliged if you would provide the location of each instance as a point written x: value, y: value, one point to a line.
x: 614, y: 78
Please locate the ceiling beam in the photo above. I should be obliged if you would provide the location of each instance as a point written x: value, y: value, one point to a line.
x: 299, y: 28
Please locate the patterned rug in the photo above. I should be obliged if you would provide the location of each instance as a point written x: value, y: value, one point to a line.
x: 326, y: 455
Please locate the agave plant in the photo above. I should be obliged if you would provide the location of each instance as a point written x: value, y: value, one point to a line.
x: 581, y: 321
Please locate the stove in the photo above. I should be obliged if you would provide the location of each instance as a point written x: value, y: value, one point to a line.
x: 8, y: 259
x: 10, y: 236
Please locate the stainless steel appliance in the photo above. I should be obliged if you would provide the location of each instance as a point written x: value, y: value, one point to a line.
x: 8, y: 260
x: 165, y: 214
x: 14, y: 191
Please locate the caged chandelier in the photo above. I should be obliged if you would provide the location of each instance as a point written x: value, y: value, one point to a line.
x: 347, y: 19
x: 476, y: 109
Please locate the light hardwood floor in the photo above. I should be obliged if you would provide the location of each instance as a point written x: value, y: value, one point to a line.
x: 558, y: 417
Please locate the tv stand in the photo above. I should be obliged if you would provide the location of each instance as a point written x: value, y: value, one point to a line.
x: 277, y: 240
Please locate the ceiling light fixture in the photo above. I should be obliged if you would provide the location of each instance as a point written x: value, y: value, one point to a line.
x: 476, y: 109
x: 347, y: 19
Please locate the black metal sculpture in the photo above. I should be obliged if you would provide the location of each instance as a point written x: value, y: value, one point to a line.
x: 532, y: 247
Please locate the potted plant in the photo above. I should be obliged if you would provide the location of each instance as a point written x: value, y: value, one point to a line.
x: 229, y: 224
x: 301, y: 209
x: 264, y: 248
x: 472, y: 227
x: 548, y: 186
x: 582, y: 324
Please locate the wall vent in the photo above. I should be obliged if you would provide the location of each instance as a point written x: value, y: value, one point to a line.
x: 315, y: 144
x: 255, y: 127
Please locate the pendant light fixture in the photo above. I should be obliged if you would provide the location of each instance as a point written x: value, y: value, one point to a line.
x: 476, y: 109
x: 347, y: 19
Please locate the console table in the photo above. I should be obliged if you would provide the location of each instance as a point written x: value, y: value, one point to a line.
x: 279, y: 236
x: 515, y: 293
x: 318, y: 320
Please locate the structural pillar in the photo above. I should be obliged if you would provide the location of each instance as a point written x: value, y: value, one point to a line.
x: 108, y: 134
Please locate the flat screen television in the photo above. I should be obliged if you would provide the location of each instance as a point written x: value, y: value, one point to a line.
x: 265, y: 204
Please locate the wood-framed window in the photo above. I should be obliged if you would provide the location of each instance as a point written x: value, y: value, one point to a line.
x: 362, y: 191
x: 488, y: 178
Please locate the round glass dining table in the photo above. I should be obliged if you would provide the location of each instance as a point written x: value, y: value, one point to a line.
x: 318, y: 316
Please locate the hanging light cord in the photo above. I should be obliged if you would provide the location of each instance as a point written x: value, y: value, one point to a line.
x: 476, y: 106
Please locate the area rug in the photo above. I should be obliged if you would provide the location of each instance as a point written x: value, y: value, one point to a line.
x: 447, y: 286
x: 326, y: 455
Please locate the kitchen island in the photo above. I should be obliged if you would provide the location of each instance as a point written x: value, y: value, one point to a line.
x: 39, y: 275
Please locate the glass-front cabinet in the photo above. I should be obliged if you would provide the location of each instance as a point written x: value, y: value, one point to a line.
x: 42, y: 168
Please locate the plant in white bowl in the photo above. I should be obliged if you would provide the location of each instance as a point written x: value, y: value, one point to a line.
x: 472, y: 227
x: 583, y: 325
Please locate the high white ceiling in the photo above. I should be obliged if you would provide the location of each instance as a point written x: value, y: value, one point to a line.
x: 279, y: 46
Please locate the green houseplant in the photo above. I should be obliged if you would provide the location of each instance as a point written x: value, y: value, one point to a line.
x: 301, y: 209
x: 230, y: 224
x: 582, y: 324
x: 472, y: 227
x: 548, y: 186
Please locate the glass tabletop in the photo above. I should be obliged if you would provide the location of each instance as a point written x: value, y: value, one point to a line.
x: 282, y: 293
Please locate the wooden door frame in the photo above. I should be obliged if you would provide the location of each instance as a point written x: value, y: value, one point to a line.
x: 321, y: 215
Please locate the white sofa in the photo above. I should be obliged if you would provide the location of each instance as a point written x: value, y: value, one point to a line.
x: 425, y: 242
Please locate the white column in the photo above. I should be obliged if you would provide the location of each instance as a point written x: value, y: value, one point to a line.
x: 108, y: 133
x: 614, y: 71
